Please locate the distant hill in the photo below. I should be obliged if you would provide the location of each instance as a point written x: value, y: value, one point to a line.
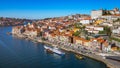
x: 5, y: 21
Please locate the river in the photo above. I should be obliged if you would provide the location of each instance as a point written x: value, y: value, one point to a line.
x: 20, y: 53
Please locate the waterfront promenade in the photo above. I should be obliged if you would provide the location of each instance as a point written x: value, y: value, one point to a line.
x: 76, y: 49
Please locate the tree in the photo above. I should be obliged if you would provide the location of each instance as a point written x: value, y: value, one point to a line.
x: 107, y: 30
x: 87, y: 38
x: 105, y: 12
x: 108, y: 13
x: 77, y: 33
x: 77, y: 25
x: 118, y: 20
x: 101, y: 32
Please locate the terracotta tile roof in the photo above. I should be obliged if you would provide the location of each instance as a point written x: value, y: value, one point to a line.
x: 106, y: 44
x: 116, y: 15
x: 82, y: 39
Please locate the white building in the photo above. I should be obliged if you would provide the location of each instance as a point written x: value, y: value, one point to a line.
x: 111, y: 17
x: 85, y: 21
x: 94, y: 29
x: 107, y: 24
x: 96, y: 14
x: 114, y: 14
x: 116, y: 31
x: 99, y: 28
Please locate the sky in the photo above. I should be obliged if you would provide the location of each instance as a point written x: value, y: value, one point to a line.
x: 37, y: 9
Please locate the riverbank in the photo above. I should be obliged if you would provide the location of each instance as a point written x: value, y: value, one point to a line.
x: 92, y: 56
x: 108, y: 62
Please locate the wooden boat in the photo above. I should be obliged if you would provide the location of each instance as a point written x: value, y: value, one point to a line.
x: 49, y: 51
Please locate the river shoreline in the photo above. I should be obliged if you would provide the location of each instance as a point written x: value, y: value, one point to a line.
x: 92, y: 56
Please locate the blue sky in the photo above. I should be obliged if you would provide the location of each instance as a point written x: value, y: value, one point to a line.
x: 37, y: 9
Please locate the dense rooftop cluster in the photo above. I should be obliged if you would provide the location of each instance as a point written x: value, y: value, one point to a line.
x: 95, y: 33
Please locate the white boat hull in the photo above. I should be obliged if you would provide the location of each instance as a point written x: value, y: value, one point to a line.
x: 55, y: 50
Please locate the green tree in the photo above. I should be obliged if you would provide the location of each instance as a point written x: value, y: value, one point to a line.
x: 102, y: 32
x: 87, y: 38
x: 116, y: 39
x: 118, y: 20
x: 107, y: 30
x: 77, y: 33
x: 108, y: 13
x: 77, y: 25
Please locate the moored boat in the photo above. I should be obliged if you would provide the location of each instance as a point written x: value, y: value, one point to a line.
x: 54, y: 50
x: 57, y: 51
x: 49, y: 51
x: 79, y: 56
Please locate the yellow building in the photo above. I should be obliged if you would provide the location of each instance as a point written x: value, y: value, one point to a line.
x: 98, y: 22
x: 82, y: 41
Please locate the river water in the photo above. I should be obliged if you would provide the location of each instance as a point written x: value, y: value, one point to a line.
x: 20, y: 53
